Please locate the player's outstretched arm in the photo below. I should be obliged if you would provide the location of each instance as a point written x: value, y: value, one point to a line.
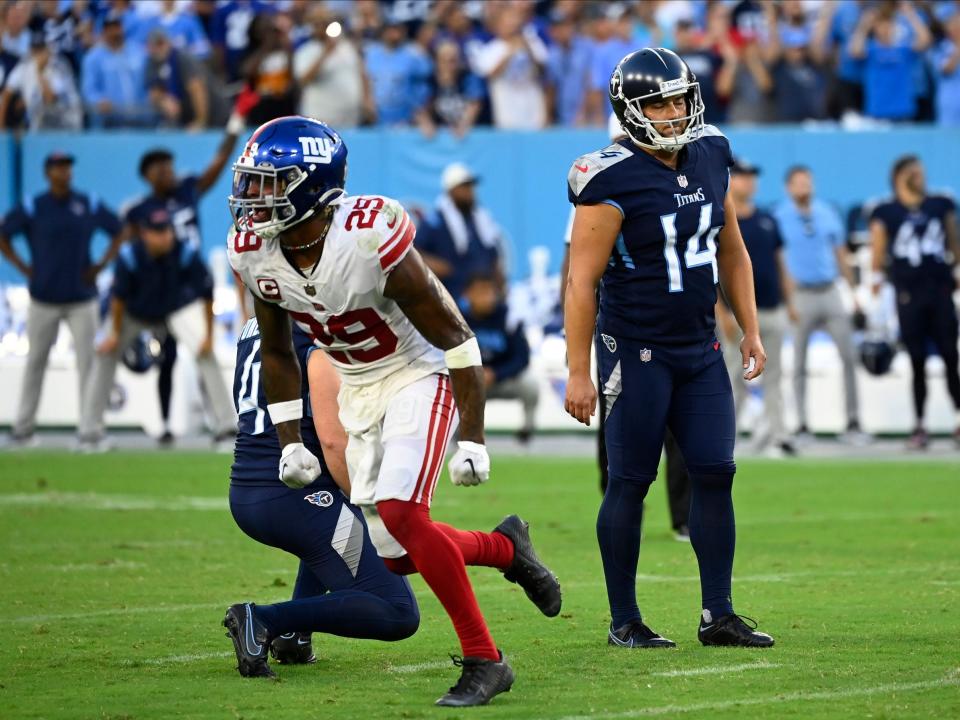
x: 428, y: 305
x: 595, y: 230
x: 736, y: 280
x: 281, y: 384
x: 324, y: 385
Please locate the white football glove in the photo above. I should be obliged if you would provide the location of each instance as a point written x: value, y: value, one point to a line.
x: 470, y: 465
x: 298, y: 466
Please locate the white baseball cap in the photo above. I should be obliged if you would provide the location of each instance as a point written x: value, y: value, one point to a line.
x: 456, y: 174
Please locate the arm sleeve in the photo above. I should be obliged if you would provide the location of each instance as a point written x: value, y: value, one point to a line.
x: 397, y: 232
x: 17, y: 221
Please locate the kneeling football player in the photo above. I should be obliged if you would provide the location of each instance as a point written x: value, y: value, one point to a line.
x: 343, y: 587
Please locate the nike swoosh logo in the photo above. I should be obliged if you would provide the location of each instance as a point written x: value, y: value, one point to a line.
x: 621, y: 643
x: 472, y: 468
x: 301, y: 641
x: 585, y: 168
x: 706, y: 627
x: 251, y: 641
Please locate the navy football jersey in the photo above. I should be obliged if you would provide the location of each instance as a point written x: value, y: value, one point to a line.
x: 660, y: 282
x: 916, y: 241
x: 256, y: 457
x: 182, y: 205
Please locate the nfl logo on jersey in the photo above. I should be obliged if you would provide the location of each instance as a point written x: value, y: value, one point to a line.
x: 682, y: 180
x: 645, y: 355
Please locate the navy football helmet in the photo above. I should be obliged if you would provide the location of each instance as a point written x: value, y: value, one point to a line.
x: 291, y: 168
x: 877, y: 356
x: 649, y: 75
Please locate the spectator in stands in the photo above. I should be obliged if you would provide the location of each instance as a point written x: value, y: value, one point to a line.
x: 14, y: 33
x: 159, y: 285
x: 113, y: 86
x: 68, y: 32
x: 58, y: 226
x: 568, y: 71
x: 176, y: 84
x: 230, y: 34
x: 366, y: 22
x: 612, y: 31
x: 180, y: 25
x: 459, y: 239
x: 946, y: 61
x: 329, y: 69
x: 268, y: 70
x: 830, y: 46
x: 798, y: 83
x: 297, y: 16
x: 890, y: 55
x: 514, y: 65
x: 503, y: 347
x: 751, y: 80
x: 774, y: 292
x: 395, y: 72
x: 44, y: 82
x: 456, y: 94
x: 817, y: 256
x: 706, y: 63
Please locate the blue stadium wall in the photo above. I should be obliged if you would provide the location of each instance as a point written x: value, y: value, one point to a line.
x: 523, y: 174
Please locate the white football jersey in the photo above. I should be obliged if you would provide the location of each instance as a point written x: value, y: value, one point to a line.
x: 340, y: 303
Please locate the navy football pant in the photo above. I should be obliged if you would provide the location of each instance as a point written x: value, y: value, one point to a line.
x: 929, y: 317
x: 648, y: 389
x: 343, y: 587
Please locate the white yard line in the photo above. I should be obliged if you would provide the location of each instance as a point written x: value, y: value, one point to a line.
x: 718, y: 670
x: 107, y: 501
x: 176, y: 659
x: 949, y: 681
x: 113, y: 611
x: 419, y: 667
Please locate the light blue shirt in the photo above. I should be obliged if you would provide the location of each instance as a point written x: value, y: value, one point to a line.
x: 399, y: 79
x: 810, y: 239
x: 117, y: 76
x: 948, y: 87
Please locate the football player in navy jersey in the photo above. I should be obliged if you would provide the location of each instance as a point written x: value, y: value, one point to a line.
x: 914, y: 239
x: 655, y: 229
x: 180, y: 197
x: 343, y: 587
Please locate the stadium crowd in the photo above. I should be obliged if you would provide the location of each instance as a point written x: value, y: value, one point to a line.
x: 519, y: 64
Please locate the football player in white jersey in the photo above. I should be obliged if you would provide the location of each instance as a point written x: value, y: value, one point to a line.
x: 344, y: 268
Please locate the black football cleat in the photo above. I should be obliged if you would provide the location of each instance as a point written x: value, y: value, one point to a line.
x: 293, y: 649
x: 250, y: 641
x: 733, y: 631
x: 480, y: 680
x: 527, y: 571
x: 637, y: 635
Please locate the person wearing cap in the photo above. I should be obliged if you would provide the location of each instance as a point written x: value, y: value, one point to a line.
x: 459, y: 239
x: 112, y: 80
x: 59, y: 226
x: 44, y: 81
x: 161, y: 285
x: 817, y: 256
x: 773, y: 289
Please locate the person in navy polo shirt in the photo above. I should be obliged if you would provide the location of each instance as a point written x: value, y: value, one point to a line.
x: 58, y: 226
x: 503, y: 347
x: 774, y: 292
x: 161, y: 285
x: 180, y: 197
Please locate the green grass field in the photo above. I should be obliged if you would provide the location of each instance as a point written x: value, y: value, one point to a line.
x: 116, y: 570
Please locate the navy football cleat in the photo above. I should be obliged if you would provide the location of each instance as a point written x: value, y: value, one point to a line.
x: 250, y: 641
x: 637, y: 635
x: 293, y: 649
x: 480, y: 680
x: 527, y: 571
x: 732, y: 631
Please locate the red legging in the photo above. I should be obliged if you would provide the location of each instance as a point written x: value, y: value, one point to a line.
x: 440, y: 554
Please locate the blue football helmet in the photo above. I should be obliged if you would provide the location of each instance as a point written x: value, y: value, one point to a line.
x: 291, y: 168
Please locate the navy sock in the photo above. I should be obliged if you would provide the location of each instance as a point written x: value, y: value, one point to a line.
x: 713, y: 535
x: 618, y: 532
x: 348, y: 613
